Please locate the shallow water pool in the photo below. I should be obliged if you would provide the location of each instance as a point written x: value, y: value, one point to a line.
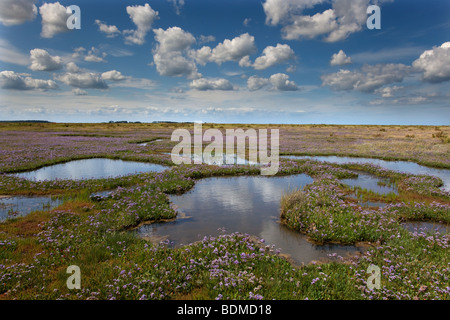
x: 19, y: 206
x: 400, y: 166
x: 419, y: 226
x: 90, y: 169
x: 369, y: 182
x: 246, y: 204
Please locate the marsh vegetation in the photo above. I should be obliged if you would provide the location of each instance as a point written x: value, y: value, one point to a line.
x: 98, y: 233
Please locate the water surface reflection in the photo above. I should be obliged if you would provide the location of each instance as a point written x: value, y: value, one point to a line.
x: 369, y: 182
x: 248, y: 205
x: 419, y: 226
x: 90, y: 169
x: 19, y: 206
x: 400, y: 166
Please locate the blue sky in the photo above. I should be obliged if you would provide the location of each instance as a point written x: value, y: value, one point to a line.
x: 264, y: 61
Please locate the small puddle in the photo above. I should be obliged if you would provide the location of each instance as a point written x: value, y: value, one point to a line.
x: 249, y: 205
x: 100, y: 195
x: 368, y: 204
x: 90, y: 169
x: 372, y: 183
x: 421, y: 226
x: 19, y: 206
x: 378, y: 204
x: 227, y: 159
x: 149, y: 142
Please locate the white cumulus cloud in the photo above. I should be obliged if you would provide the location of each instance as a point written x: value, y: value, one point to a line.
x: 110, y: 30
x: 255, y: 83
x: 273, y: 55
x: 94, y: 55
x: 170, y: 56
x: 278, y: 81
x: 281, y: 82
x: 388, y: 92
x: 368, y: 79
x: 340, y: 59
x: 174, y: 64
x: 41, y: 60
x: 351, y: 16
x: 278, y: 11
x: 15, y: 12
x: 83, y: 80
x: 333, y: 24
x: 91, y: 55
x: 310, y: 26
x: 54, y: 19
x: 17, y: 81
x: 173, y: 39
x: 228, y: 50
x: 113, y: 75
x: 143, y: 17
x: 435, y: 64
x: 72, y: 67
x: 203, y: 84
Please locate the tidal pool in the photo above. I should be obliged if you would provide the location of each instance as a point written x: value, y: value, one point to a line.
x: 400, y: 166
x: 249, y: 205
x: 90, y: 169
x: 18, y: 206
